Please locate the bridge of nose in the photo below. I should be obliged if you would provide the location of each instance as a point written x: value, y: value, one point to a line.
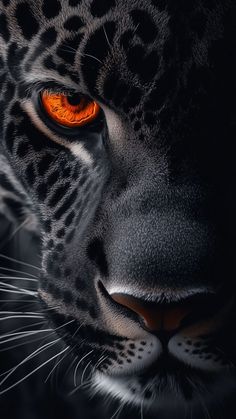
x: 169, y: 247
x: 156, y: 317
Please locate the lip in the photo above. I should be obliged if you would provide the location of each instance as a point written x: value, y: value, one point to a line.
x: 167, y: 365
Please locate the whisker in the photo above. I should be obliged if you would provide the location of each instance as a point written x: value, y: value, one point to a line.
x: 29, y: 357
x: 22, y: 317
x: 92, y: 56
x: 59, y: 327
x: 70, y: 367
x: 85, y: 385
x: 18, y: 277
x: 18, y: 228
x: 32, y: 372
x: 18, y: 301
x: 83, y: 373
x: 105, y: 33
x: 20, y: 335
x: 56, y: 365
x: 18, y: 312
x: 18, y: 292
x: 101, y: 359
x: 37, y: 339
x: 78, y: 364
x: 198, y: 394
x: 19, y: 262
x: 25, y: 343
x: 67, y: 48
x: 118, y: 411
x: 25, y: 327
x: 16, y: 346
x: 12, y: 235
x: 16, y: 271
x: 141, y: 409
x: 5, y: 284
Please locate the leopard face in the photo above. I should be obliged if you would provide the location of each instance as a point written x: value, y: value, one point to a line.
x: 134, y: 207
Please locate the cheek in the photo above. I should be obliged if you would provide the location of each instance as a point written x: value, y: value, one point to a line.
x: 67, y: 283
x: 66, y: 213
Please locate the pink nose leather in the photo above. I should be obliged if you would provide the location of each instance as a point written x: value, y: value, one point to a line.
x: 156, y: 317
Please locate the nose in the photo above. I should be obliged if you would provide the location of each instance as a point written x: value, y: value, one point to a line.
x: 155, y: 316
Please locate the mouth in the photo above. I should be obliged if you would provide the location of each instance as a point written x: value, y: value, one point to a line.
x: 199, y: 343
x: 198, y: 349
x: 167, y: 377
x: 167, y: 365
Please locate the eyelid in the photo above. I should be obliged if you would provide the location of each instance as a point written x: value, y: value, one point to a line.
x: 57, y: 90
x: 51, y: 86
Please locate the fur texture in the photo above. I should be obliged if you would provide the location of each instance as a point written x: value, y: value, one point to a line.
x: 140, y: 201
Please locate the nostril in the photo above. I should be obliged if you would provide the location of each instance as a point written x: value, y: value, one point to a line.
x: 167, y: 317
x: 170, y: 310
x: 156, y: 317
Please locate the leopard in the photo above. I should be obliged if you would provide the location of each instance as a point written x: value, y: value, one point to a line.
x: 117, y: 136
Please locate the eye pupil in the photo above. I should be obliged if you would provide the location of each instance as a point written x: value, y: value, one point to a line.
x: 74, y: 99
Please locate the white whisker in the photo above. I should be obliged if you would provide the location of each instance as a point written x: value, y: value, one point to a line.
x: 24, y: 343
x: 71, y: 364
x: 22, y: 317
x: 85, y: 385
x: 101, y: 359
x: 18, y: 228
x: 29, y: 357
x: 55, y: 366
x: 18, y: 301
x: 78, y: 364
x: 141, y: 409
x: 83, y: 373
x: 4, y: 284
x: 20, y: 335
x: 19, y: 278
x: 35, y: 340
x: 118, y: 411
x: 18, y: 292
x: 32, y: 372
x: 24, y: 327
x: 68, y: 48
x: 105, y: 33
x: 16, y: 271
x: 19, y: 312
x: 19, y: 262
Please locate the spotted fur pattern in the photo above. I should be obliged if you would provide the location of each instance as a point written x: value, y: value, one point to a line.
x: 132, y: 203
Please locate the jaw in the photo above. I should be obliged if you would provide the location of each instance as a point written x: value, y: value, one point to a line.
x: 186, y: 392
x: 154, y: 395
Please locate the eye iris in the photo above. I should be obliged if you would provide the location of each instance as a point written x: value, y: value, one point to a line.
x: 70, y: 111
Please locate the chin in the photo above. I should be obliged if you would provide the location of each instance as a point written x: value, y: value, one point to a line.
x: 177, y: 392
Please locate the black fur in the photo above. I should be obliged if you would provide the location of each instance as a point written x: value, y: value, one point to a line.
x: 140, y: 199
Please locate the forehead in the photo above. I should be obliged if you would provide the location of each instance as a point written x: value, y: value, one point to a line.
x: 134, y: 38
x: 151, y: 56
x: 142, y: 17
x: 89, y: 27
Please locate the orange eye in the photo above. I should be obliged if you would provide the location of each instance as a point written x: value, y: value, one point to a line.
x: 70, y: 111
